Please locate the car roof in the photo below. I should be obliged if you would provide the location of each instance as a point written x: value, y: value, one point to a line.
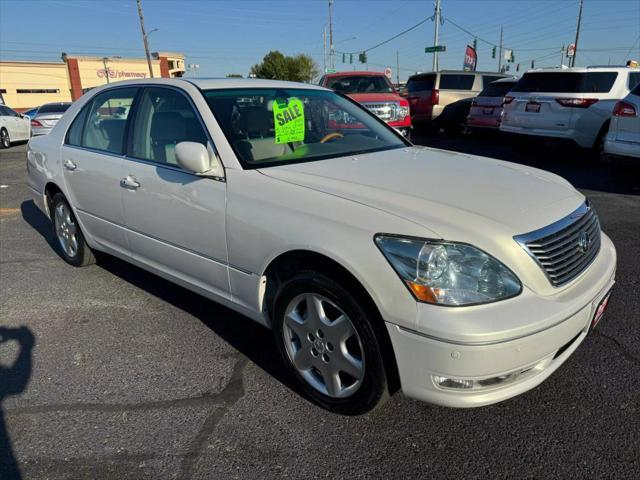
x: 216, y: 83
x: 583, y: 69
x: 505, y: 80
x: 460, y: 72
x: 359, y: 73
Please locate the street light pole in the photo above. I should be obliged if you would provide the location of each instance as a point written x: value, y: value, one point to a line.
x: 436, y: 31
x: 144, y: 38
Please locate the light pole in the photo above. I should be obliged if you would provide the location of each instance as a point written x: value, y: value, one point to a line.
x: 144, y: 38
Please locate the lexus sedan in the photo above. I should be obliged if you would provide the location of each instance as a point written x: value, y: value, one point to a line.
x: 461, y: 280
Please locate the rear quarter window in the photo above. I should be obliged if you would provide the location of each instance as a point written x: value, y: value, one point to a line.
x: 497, y: 89
x: 487, y: 79
x: 456, y: 82
x: 597, y: 82
x: 634, y: 81
x: 419, y: 84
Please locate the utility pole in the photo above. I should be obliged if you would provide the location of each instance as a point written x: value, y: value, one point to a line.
x: 436, y: 31
x: 144, y: 39
x: 331, y: 64
x: 575, y: 50
x: 561, y: 56
x: 397, y: 67
x: 324, y: 49
x: 500, y: 52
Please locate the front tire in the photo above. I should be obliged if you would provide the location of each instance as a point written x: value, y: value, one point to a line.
x: 327, y: 342
x: 5, y: 139
x: 73, y: 247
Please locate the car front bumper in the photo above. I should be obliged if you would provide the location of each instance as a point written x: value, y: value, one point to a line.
x: 501, y: 369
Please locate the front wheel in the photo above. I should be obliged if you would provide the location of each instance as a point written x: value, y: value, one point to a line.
x: 73, y: 247
x: 5, y: 139
x: 325, y: 337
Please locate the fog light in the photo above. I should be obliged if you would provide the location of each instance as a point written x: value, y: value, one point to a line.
x: 446, y: 382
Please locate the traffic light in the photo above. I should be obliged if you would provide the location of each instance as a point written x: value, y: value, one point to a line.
x: 513, y: 57
x: 362, y: 57
x: 533, y: 64
x: 351, y: 58
x: 475, y: 44
x: 343, y: 58
x: 493, y: 52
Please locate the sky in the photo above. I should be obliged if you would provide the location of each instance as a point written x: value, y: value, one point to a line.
x: 225, y: 37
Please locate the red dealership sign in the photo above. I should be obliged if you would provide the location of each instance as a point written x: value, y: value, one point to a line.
x: 470, y: 59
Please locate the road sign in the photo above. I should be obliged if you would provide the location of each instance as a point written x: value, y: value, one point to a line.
x: 329, y: 70
x: 388, y: 73
x: 437, y: 48
x: 571, y: 50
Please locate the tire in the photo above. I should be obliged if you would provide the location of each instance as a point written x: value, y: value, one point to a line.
x: 598, y: 153
x: 5, y: 139
x: 73, y: 247
x: 363, y: 385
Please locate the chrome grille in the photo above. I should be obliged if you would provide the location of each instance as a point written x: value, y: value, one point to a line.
x: 387, y: 111
x: 567, y: 247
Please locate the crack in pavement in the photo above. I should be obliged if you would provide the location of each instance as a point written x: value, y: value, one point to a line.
x: 233, y: 391
x: 208, y: 398
x: 623, y: 349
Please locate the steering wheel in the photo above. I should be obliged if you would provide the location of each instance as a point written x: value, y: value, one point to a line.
x: 331, y: 136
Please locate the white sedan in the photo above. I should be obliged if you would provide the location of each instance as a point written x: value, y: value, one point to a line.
x: 462, y: 280
x: 14, y: 127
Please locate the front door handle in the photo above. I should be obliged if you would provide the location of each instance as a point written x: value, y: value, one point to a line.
x: 69, y: 165
x: 129, y: 182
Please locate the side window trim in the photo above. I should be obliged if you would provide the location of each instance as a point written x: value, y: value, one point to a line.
x: 128, y: 155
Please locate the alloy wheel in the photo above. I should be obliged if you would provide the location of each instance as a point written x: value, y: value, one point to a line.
x: 323, y: 345
x: 6, y: 141
x: 66, y: 230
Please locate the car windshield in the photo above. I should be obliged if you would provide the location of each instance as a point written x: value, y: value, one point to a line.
x: 268, y: 126
x: 566, y: 82
x: 497, y: 89
x: 360, y: 84
x: 54, y: 108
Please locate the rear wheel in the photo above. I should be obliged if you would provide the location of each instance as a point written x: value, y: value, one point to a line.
x: 598, y: 150
x: 5, y: 139
x: 73, y: 247
x: 325, y: 337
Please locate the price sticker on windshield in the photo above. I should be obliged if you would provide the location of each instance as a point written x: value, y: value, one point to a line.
x: 288, y: 118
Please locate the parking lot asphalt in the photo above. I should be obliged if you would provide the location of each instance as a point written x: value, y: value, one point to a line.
x: 131, y: 377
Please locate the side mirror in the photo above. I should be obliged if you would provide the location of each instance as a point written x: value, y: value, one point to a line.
x: 193, y: 156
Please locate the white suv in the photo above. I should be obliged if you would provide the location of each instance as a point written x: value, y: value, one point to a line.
x: 573, y: 104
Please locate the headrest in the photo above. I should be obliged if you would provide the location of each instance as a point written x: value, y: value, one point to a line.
x: 168, y: 126
x: 257, y: 121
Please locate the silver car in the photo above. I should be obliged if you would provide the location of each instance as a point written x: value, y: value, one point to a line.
x: 47, y: 117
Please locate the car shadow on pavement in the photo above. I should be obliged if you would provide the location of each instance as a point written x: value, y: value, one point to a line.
x: 246, y: 336
x: 13, y: 381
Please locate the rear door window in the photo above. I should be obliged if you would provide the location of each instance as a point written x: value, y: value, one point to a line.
x: 487, y: 79
x: 497, y: 89
x: 634, y: 80
x: 420, y: 84
x: 104, y: 127
x: 450, y: 81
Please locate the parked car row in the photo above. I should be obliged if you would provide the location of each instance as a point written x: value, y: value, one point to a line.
x: 16, y: 127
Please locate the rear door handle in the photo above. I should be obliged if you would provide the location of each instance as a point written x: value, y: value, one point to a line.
x: 69, y: 165
x: 129, y: 182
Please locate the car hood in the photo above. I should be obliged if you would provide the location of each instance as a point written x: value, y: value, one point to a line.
x: 374, y: 97
x: 451, y: 194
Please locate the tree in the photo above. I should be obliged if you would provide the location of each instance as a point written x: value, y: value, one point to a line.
x: 276, y: 66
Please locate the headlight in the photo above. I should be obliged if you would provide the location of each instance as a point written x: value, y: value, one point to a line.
x: 403, y: 112
x: 448, y: 273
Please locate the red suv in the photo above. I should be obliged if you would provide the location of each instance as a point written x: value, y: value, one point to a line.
x: 374, y: 91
